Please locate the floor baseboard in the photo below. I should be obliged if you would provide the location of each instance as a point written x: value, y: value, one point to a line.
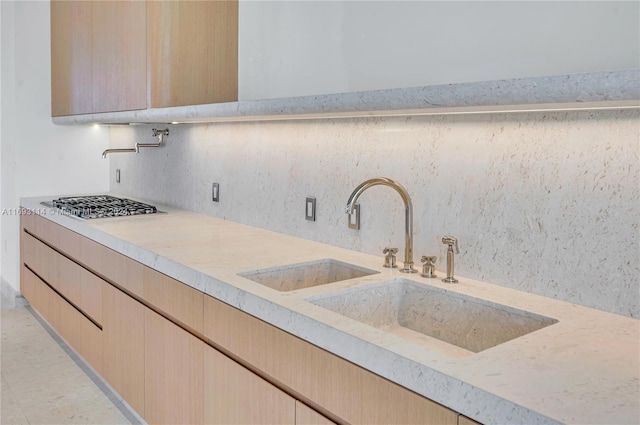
x: 10, y: 297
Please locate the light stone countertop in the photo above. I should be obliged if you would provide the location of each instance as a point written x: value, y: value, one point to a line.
x: 583, y: 369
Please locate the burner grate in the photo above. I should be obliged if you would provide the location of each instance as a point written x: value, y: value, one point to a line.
x: 101, y: 206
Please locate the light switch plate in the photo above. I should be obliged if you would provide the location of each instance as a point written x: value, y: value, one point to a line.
x: 215, y: 192
x: 354, y: 218
x: 310, y: 209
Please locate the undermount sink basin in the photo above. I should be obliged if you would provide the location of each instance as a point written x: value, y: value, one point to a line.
x: 431, y: 315
x: 306, y: 275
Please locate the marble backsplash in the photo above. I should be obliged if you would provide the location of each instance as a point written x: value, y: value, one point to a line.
x: 545, y: 202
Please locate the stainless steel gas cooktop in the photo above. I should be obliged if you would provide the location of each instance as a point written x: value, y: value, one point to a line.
x: 100, y: 206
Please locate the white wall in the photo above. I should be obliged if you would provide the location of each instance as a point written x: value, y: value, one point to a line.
x: 541, y: 202
x: 38, y: 158
x: 295, y: 48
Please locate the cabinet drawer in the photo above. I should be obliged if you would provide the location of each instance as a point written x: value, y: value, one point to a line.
x: 175, y: 299
x: 78, y: 331
x: 235, y: 395
x: 80, y: 287
x: 335, y: 387
x: 97, y: 258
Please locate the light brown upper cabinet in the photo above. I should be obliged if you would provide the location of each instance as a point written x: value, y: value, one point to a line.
x: 98, y: 56
x: 111, y: 56
x: 193, y: 52
x: 118, y: 57
x: 71, y: 58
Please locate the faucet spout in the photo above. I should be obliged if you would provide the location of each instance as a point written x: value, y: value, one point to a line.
x: 108, y: 151
x: 408, y: 214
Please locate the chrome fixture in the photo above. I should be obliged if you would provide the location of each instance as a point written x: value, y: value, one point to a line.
x: 156, y: 133
x: 354, y: 219
x: 451, y: 242
x: 428, y: 267
x: 390, y: 257
x: 408, y: 215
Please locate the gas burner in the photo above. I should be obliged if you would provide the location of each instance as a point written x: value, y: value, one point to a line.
x: 101, y: 206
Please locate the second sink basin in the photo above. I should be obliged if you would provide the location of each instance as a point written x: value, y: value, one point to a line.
x: 420, y: 313
x: 305, y: 275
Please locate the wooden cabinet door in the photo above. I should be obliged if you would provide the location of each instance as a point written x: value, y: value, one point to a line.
x: 235, y: 395
x: 173, y: 373
x: 71, y: 67
x: 193, y: 52
x: 119, y: 61
x: 98, y: 56
x: 307, y: 416
x: 123, y: 345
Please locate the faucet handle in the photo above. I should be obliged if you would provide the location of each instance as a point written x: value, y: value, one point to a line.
x: 429, y: 266
x: 390, y: 257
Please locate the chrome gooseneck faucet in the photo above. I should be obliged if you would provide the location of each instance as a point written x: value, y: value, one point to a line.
x: 408, y: 215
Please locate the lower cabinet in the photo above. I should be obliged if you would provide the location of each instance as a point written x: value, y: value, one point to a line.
x: 152, y: 339
x: 80, y: 287
x: 173, y: 373
x: 166, y: 374
x: 123, y: 345
x: 84, y: 336
x: 235, y: 395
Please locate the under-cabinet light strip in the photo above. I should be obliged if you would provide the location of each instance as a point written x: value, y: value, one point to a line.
x: 471, y: 110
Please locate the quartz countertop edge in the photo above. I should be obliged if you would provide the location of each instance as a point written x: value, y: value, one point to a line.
x: 607, y: 89
x: 538, y: 378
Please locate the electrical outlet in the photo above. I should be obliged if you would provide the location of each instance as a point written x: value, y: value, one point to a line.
x: 215, y: 192
x: 118, y: 175
x: 354, y: 218
x: 310, y: 209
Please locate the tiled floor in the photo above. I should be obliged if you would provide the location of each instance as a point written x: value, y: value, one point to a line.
x: 43, y: 384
